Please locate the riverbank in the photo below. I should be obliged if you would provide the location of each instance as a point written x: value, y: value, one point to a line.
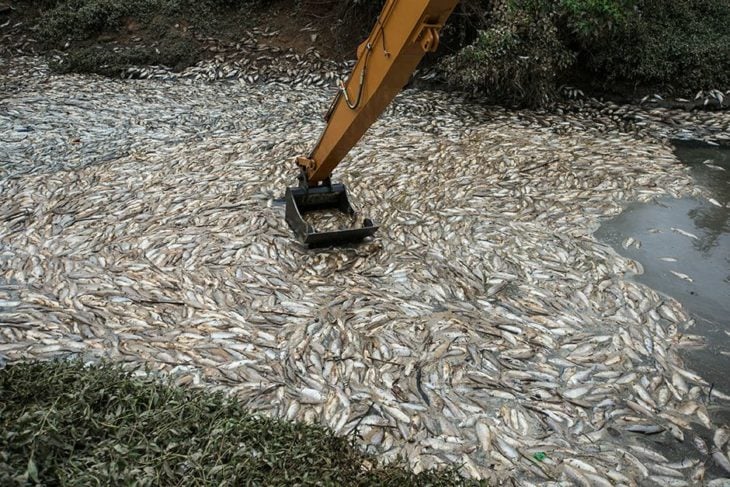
x: 218, y: 39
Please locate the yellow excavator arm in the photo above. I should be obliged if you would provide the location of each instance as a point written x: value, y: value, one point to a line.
x: 403, y: 33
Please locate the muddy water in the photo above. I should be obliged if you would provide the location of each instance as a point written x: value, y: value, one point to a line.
x: 697, y: 234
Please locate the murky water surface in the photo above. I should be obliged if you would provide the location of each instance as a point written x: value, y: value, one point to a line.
x: 684, y: 247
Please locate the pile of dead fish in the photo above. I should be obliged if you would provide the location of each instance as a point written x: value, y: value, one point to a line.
x: 484, y: 326
x: 253, y: 59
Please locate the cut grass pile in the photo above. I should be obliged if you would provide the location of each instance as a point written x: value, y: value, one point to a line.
x: 63, y: 423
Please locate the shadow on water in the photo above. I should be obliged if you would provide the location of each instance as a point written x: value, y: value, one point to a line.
x: 684, y: 247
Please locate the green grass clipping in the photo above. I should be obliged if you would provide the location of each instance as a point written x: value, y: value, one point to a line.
x: 64, y: 423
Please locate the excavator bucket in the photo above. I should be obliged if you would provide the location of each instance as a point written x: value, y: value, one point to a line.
x: 300, y: 200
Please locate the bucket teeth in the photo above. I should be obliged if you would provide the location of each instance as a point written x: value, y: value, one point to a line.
x: 302, y: 200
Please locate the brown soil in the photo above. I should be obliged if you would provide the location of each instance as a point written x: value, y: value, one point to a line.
x: 295, y: 27
x: 298, y: 32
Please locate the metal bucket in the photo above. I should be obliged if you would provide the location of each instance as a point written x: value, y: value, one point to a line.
x: 301, y: 200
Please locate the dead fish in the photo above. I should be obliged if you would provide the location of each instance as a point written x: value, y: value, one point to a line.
x: 720, y: 437
x: 685, y: 233
x: 715, y: 202
x: 721, y: 460
x: 165, y: 245
x: 646, y: 429
x: 684, y: 277
x: 700, y: 445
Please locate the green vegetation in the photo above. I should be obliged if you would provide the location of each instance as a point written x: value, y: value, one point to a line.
x: 682, y: 43
x: 109, y: 36
x: 513, y: 52
x: 524, y: 48
x: 517, y: 61
x: 65, y: 424
x: 83, y: 19
x: 172, y: 50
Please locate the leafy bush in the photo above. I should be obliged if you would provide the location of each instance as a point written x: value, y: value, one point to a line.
x: 525, y: 47
x: 173, y: 51
x: 682, y: 43
x: 82, y: 19
x: 590, y: 21
x: 146, y: 32
x: 515, y: 61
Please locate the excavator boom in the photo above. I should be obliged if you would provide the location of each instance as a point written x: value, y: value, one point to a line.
x: 404, y: 32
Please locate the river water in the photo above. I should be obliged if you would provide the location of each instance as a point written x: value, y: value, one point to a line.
x: 685, y: 251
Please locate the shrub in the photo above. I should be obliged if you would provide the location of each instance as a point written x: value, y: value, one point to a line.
x: 173, y: 51
x: 589, y: 22
x: 515, y: 61
x: 152, y: 23
x: 82, y: 19
x: 681, y: 43
x: 525, y: 47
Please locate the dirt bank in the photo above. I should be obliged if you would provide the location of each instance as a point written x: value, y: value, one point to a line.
x: 112, y: 40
